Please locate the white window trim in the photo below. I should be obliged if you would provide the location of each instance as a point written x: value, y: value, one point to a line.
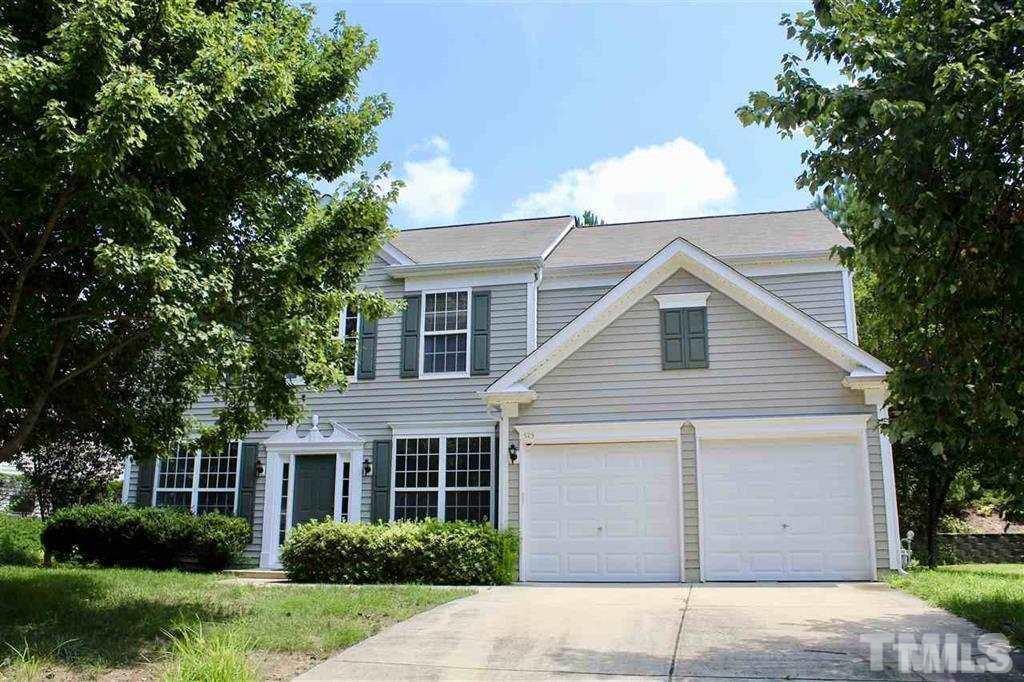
x: 442, y: 468
x: 194, y: 490
x: 353, y: 377
x: 672, y: 301
x: 423, y: 333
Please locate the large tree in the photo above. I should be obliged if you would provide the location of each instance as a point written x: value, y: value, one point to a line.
x: 928, y: 130
x: 162, y: 234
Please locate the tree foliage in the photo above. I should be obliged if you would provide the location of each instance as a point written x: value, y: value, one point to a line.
x: 162, y: 234
x: 68, y: 472
x: 588, y: 219
x: 928, y: 131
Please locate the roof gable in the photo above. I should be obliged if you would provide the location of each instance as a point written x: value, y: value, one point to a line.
x: 681, y: 254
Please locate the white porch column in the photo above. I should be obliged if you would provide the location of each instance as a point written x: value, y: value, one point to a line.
x: 508, y: 411
x: 271, y: 510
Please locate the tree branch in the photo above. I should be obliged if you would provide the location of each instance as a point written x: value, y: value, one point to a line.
x: 100, y: 357
x: 19, y: 285
x: 10, y: 447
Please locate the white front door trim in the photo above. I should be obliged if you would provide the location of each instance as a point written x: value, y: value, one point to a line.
x: 848, y: 426
x: 596, y: 432
x: 282, y: 448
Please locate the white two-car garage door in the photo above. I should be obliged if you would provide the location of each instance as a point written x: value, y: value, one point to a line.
x: 784, y: 510
x: 601, y: 512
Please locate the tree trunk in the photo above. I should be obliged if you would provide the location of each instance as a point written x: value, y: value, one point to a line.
x: 938, y: 489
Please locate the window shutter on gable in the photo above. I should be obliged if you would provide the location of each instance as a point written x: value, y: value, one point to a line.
x: 144, y: 484
x: 367, y: 360
x: 247, y: 481
x: 480, y: 355
x: 410, y: 360
x: 696, y: 345
x: 380, y: 500
x: 672, y: 356
x: 684, y: 338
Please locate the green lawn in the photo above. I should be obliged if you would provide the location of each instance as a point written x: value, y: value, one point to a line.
x: 990, y: 595
x: 88, y: 621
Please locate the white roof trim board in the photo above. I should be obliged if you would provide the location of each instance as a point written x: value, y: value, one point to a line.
x: 681, y: 254
x: 392, y: 255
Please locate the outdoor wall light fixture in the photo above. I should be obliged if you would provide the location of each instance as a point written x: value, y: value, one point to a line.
x: 513, y: 453
x: 367, y: 467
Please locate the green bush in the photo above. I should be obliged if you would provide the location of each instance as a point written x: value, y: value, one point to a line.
x: 19, y: 541
x: 430, y: 552
x: 114, y: 535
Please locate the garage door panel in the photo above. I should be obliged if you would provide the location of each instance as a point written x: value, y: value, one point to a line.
x: 804, y: 517
x: 622, y: 564
x: 614, y: 515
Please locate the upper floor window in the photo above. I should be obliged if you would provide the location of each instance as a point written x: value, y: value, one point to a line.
x: 445, y: 332
x: 350, y: 335
x: 199, y: 482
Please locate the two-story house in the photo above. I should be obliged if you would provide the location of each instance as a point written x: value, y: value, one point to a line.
x: 655, y: 401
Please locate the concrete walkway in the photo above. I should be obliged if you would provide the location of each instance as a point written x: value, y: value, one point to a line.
x: 636, y: 632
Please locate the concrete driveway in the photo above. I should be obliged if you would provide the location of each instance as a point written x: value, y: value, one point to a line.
x: 605, y: 632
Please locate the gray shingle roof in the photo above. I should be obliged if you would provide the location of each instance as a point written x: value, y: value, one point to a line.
x: 722, y: 236
x: 482, y: 241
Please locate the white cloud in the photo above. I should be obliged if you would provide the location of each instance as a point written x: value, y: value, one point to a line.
x: 434, y: 189
x: 675, y: 179
x: 435, y: 144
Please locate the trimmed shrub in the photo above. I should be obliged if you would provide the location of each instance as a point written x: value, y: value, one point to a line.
x: 431, y: 552
x: 160, y: 538
x: 19, y: 541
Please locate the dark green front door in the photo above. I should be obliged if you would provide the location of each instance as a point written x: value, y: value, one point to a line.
x: 314, y: 488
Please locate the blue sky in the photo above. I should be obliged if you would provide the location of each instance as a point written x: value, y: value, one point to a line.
x: 537, y: 109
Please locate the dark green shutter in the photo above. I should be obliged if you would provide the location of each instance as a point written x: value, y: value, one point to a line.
x: 696, y: 346
x: 380, y: 501
x: 144, y: 485
x: 367, y: 362
x: 684, y: 338
x: 672, y: 339
x: 410, y: 364
x: 480, y: 354
x: 247, y: 480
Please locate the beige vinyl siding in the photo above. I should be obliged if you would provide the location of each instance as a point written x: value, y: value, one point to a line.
x: 132, y: 481
x: 691, y: 519
x: 819, y: 294
x: 877, y: 495
x: 755, y: 370
x: 369, y: 405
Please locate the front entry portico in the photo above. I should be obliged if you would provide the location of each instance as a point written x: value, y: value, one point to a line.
x: 309, y: 476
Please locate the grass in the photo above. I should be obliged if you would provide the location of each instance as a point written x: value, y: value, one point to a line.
x: 989, y: 595
x: 90, y: 621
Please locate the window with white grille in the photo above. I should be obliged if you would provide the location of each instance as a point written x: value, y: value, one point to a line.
x: 445, y: 332
x: 198, y: 482
x: 446, y: 478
